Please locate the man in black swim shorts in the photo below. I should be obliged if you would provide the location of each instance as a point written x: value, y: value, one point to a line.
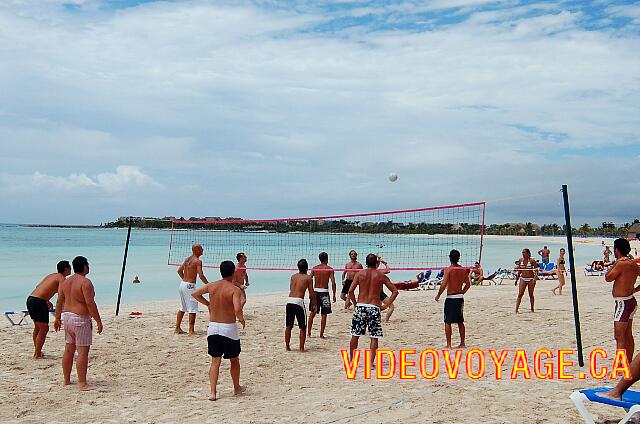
x: 347, y: 277
x: 39, y: 303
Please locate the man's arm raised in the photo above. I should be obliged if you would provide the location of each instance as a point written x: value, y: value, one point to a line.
x: 613, y: 273
x: 89, y: 298
x: 198, y: 295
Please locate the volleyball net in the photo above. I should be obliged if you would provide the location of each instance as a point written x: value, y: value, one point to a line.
x: 411, y: 239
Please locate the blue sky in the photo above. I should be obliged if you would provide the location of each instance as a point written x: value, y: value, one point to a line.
x: 262, y: 109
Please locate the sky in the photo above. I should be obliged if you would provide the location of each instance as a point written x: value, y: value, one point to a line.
x: 270, y: 109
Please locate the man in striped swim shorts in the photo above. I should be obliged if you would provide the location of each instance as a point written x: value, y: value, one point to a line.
x: 76, y: 306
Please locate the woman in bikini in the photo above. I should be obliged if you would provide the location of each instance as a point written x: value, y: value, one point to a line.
x: 560, y: 270
x: 527, y: 270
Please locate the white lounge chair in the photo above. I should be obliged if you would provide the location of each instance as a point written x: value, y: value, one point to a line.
x: 16, y: 318
x: 433, y: 283
x: 630, y: 402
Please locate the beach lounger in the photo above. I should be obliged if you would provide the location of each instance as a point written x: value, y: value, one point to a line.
x: 630, y: 402
x: 491, y: 279
x: 425, y: 278
x: 503, y: 273
x: 548, y: 273
x: 433, y: 283
x: 590, y: 272
x: 16, y: 318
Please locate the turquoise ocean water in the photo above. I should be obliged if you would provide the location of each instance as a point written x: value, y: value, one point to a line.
x: 29, y: 253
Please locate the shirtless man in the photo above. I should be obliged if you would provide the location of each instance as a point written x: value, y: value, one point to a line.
x: 544, y: 252
x: 39, y: 303
x: 240, y: 276
x: 457, y: 282
x: 477, y: 274
x: 76, y: 299
x: 366, y: 314
x: 322, y: 273
x: 225, y: 306
x: 347, y: 277
x: 300, y: 283
x: 623, y: 273
x: 190, y: 269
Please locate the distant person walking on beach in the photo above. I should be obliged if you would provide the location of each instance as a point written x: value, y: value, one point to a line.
x: 190, y: 269
x: 544, y: 252
x: 225, y: 306
x: 348, y: 276
x: 240, y: 276
x: 39, y: 303
x: 560, y: 270
x: 607, y: 255
x: 76, y: 305
x: 457, y: 282
x: 527, y: 272
x: 623, y: 273
x: 366, y: 314
x: 295, y: 309
x: 322, y: 273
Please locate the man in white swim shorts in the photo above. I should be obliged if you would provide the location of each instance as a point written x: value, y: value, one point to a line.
x: 225, y: 306
x: 295, y: 309
x: 190, y: 269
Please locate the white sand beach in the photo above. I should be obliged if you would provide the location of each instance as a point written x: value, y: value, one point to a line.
x: 145, y: 373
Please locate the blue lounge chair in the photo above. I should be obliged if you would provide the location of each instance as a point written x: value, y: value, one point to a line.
x: 630, y: 402
x: 432, y: 283
x: 548, y: 273
x: 590, y: 272
x: 16, y: 318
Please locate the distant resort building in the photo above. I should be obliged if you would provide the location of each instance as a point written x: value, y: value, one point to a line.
x: 633, y: 232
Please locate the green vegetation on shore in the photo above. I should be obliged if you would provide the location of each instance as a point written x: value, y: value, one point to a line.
x: 607, y: 229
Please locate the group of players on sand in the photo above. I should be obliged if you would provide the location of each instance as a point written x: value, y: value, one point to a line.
x: 226, y: 299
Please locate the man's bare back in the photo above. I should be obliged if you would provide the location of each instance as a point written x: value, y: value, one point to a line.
x: 300, y: 283
x: 48, y: 287
x: 624, y: 274
x: 77, y: 292
x: 224, y: 302
x: 190, y: 269
x: 370, y: 282
x: 455, y: 277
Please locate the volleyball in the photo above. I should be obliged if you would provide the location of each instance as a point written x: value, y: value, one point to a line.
x: 393, y: 177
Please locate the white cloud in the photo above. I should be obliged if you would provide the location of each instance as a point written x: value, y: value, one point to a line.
x: 127, y: 178
x: 226, y: 96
